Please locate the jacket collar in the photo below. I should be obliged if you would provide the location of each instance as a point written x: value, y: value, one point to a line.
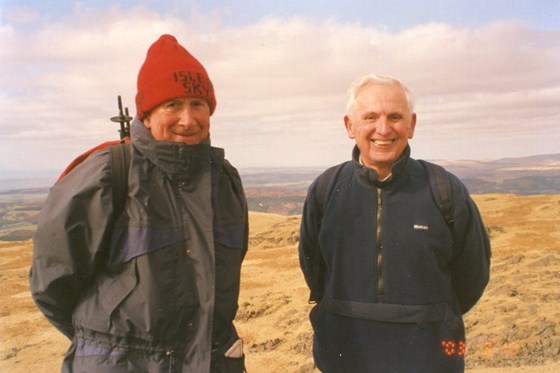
x: 370, y: 175
x: 176, y: 159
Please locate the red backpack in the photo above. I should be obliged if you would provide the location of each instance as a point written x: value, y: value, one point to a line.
x: 120, y: 159
x: 124, y: 120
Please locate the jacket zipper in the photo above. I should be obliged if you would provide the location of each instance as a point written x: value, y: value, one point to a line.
x: 378, y: 248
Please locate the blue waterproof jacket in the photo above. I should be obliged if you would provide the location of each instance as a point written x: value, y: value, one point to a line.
x: 395, y: 277
x: 155, y: 289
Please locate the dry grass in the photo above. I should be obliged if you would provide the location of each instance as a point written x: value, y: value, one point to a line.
x: 516, y: 323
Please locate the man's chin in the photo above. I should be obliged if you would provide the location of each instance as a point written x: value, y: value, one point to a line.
x: 379, y: 161
x: 189, y: 140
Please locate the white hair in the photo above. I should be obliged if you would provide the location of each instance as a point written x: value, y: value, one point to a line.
x: 368, y: 80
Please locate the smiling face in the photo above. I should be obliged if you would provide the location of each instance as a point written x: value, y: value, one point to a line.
x: 381, y: 122
x: 182, y: 119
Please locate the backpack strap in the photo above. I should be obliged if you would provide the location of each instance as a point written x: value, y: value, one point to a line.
x: 325, y: 186
x: 440, y: 186
x: 120, y: 162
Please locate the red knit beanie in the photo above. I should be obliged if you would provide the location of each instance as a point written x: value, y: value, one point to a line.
x: 170, y: 71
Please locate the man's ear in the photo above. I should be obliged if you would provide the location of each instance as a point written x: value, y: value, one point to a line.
x: 412, y: 126
x: 349, y: 127
x: 147, y: 122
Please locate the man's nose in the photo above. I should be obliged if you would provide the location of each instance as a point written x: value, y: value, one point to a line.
x: 186, y: 117
x: 383, y: 126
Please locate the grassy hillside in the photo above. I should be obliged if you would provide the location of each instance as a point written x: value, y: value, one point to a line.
x: 516, y: 323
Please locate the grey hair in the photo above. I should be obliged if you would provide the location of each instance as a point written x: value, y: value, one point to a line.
x: 368, y: 80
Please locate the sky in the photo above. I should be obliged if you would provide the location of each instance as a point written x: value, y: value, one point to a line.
x: 484, y: 74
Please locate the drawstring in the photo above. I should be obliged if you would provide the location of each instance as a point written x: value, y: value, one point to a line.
x: 171, y: 360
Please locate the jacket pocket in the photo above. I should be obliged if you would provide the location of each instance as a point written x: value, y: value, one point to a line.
x: 104, y: 296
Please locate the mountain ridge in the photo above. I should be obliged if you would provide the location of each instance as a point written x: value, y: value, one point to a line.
x: 283, y: 191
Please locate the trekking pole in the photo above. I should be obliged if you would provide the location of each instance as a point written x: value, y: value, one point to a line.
x: 124, y: 120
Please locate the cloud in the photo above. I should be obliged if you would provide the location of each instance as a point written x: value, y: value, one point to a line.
x: 281, y: 84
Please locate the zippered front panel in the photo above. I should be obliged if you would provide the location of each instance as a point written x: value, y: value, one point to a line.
x: 378, y: 246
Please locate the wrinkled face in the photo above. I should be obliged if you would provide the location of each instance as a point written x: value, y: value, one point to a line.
x: 183, y: 119
x: 381, y: 123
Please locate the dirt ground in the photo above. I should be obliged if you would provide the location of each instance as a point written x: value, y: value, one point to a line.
x: 514, y: 328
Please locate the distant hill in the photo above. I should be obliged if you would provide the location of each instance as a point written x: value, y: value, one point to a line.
x: 283, y: 191
x: 538, y: 174
x: 19, y: 210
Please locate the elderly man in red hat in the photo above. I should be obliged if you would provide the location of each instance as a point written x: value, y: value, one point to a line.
x: 154, y: 288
